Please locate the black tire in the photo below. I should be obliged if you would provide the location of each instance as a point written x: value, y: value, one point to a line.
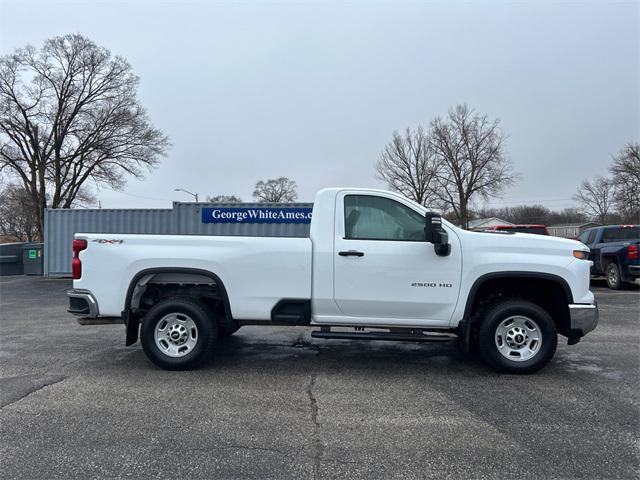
x: 492, y: 317
x: 206, y: 333
x: 612, y: 273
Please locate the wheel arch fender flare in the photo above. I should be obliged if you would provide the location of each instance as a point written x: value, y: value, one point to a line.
x: 608, y: 258
x: 132, y: 322
x: 465, y: 324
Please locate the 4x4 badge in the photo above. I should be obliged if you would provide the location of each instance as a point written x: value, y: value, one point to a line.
x: 105, y: 240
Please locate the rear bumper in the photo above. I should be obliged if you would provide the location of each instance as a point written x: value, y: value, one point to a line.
x: 634, y: 270
x: 584, y: 318
x: 82, y: 303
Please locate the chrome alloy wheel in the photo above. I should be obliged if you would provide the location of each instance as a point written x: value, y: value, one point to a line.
x: 176, y: 334
x: 612, y: 275
x: 518, y: 338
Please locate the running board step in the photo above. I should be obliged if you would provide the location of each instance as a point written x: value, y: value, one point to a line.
x: 101, y: 321
x: 393, y: 336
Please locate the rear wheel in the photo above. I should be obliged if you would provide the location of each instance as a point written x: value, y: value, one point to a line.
x: 178, y: 333
x: 516, y: 336
x: 614, y: 280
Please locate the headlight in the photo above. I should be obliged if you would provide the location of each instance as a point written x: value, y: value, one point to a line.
x: 581, y: 254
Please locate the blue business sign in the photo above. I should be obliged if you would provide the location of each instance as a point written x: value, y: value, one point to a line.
x: 256, y: 215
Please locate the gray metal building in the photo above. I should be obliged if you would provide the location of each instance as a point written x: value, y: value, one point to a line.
x: 570, y: 230
x: 183, y: 219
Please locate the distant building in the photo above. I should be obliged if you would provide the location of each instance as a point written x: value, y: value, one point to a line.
x: 480, y: 224
x: 570, y: 230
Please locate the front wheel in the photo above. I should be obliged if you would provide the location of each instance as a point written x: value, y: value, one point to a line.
x: 614, y: 281
x: 178, y: 333
x: 517, y: 336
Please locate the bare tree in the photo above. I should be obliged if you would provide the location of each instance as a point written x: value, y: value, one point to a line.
x: 276, y: 190
x: 596, y: 198
x: 625, y: 171
x: 471, y: 153
x: 407, y: 164
x: 538, y: 214
x: 224, y: 199
x: 567, y: 215
x: 69, y: 116
x: 18, y: 214
x: 535, y: 214
x: 519, y: 214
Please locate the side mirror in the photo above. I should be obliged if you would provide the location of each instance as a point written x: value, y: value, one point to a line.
x: 436, y: 234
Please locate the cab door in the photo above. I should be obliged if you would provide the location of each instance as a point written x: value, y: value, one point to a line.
x: 384, y: 268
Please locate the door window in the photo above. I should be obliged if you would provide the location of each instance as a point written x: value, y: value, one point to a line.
x: 583, y: 237
x: 369, y: 217
x: 588, y: 237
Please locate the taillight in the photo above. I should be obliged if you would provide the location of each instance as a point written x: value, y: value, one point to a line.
x: 632, y: 252
x: 76, y: 264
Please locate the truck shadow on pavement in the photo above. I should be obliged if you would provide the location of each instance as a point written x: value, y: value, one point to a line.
x: 249, y: 351
x: 284, y: 353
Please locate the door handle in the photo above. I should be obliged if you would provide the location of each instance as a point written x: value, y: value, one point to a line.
x: 351, y: 253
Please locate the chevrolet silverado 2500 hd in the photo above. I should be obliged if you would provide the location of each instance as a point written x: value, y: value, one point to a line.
x: 375, y: 266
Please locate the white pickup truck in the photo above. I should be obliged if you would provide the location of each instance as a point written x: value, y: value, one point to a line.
x: 376, y: 266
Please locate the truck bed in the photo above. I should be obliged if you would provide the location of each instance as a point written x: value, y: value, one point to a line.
x: 257, y: 271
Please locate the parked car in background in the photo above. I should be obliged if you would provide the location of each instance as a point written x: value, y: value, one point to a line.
x: 537, y: 229
x: 614, y: 252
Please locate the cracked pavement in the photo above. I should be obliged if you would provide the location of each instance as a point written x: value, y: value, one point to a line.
x: 274, y: 403
x: 318, y: 447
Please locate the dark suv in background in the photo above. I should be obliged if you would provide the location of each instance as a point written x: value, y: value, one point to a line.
x: 614, y: 252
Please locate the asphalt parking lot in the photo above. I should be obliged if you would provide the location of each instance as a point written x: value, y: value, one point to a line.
x: 274, y: 403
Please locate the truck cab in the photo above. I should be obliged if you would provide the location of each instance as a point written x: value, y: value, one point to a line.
x: 375, y: 266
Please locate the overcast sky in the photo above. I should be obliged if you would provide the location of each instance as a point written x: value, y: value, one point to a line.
x: 314, y: 91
